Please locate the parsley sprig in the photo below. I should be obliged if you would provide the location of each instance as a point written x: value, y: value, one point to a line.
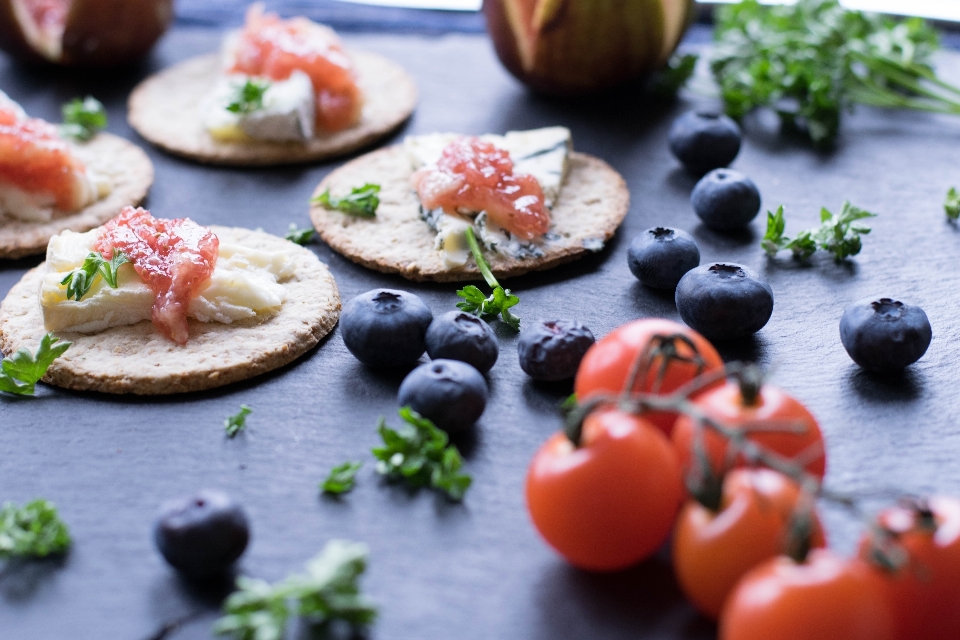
x: 951, y: 205
x: 33, y: 530
x: 80, y: 280
x: 83, y: 118
x: 420, y: 454
x: 237, y: 422
x: 838, y: 233
x: 498, y: 302
x: 20, y: 373
x: 675, y: 74
x: 328, y: 591
x: 300, y: 236
x: 341, y: 479
x: 248, y: 97
x: 814, y: 59
x: 361, y: 201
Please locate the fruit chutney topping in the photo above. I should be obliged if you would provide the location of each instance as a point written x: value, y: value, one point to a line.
x: 175, y: 258
x: 474, y: 175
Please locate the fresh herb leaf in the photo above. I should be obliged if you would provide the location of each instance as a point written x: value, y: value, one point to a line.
x: 20, y: 372
x: 952, y: 204
x: 675, y: 74
x: 498, y: 302
x: 420, y: 454
x: 814, y: 59
x: 341, y: 478
x: 838, y: 233
x: 34, y: 530
x: 80, y: 280
x: 328, y: 591
x: 237, y: 423
x: 361, y: 202
x: 248, y: 97
x: 83, y: 118
x: 300, y: 236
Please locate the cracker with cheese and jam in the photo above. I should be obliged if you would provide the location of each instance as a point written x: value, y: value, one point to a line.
x: 532, y: 202
x: 157, y: 306
x: 280, y: 92
x: 50, y: 182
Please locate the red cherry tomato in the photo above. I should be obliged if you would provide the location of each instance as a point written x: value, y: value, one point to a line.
x: 608, y: 363
x: 611, y: 502
x: 712, y: 550
x: 924, y: 594
x: 773, y: 407
x: 825, y: 598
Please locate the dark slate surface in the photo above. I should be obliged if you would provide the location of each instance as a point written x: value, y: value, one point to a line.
x: 477, y: 570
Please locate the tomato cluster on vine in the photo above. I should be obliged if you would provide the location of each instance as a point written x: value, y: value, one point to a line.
x: 663, y: 442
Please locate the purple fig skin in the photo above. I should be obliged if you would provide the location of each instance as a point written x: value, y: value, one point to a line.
x: 578, y: 54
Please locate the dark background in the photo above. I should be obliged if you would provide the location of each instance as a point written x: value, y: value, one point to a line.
x: 477, y: 570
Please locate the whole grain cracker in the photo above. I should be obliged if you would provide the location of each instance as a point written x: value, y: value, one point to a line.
x: 130, y: 174
x: 592, y: 204
x: 136, y: 359
x: 165, y: 109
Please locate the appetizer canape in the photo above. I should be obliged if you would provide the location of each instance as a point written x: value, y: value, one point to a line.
x: 281, y: 91
x: 49, y: 183
x: 156, y: 306
x: 530, y: 200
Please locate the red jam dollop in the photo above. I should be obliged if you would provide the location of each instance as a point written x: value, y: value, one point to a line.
x: 474, y: 175
x: 275, y: 48
x: 175, y: 258
x: 34, y: 158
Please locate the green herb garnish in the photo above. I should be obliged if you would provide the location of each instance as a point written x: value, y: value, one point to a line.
x: 341, y: 478
x: 83, y: 118
x: 21, y: 372
x: 498, y: 302
x: 328, y: 591
x: 80, y: 280
x: 420, y: 454
x: 34, y: 530
x: 675, y: 74
x: 838, y: 233
x: 237, y: 423
x: 814, y: 59
x: 361, y: 202
x: 952, y: 204
x: 300, y: 236
x: 248, y: 97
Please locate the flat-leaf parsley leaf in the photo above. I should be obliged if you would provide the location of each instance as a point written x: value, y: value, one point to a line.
x: 342, y: 478
x: 21, y: 372
x: 238, y: 422
x: 951, y: 205
x: 248, y: 97
x: 34, y: 530
x: 300, y: 236
x: 838, y: 233
x: 361, y: 201
x: 83, y: 118
x: 498, y: 302
x: 82, y: 278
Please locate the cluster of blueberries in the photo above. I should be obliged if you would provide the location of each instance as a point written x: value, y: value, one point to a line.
x: 390, y: 328
x: 725, y: 301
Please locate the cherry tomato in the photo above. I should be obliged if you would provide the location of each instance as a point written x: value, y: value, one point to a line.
x: 608, y: 363
x: 924, y: 594
x: 772, y: 407
x: 712, y: 550
x: 825, y: 598
x: 611, y: 502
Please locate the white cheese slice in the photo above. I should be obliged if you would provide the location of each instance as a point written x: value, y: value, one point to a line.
x: 245, y: 283
x: 287, y: 113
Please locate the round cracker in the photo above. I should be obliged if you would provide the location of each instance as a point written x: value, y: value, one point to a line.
x: 137, y: 359
x: 165, y: 109
x: 123, y: 163
x: 592, y: 204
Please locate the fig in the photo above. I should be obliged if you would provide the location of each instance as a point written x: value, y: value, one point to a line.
x: 82, y: 33
x: 569, y: 47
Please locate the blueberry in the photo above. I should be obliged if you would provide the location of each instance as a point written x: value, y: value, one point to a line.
x: 883, y: 334
x: 457, y: 335
x: 726, y: 200
x: 551, y: 350
x: 450, y: 393
x: 659, y: 257
x: 703, y: 140
x: 385, y: 327
x: 724, y: 301
x: 203, y: 535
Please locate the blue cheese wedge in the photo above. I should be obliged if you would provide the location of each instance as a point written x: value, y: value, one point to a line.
x: 287, y: 114
x: 246, y: 283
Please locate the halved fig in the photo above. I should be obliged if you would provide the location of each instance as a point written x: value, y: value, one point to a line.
x: 579, y: 46
x: 96, y: 33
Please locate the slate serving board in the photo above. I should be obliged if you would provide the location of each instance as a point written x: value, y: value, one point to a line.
x: 477, y: 570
